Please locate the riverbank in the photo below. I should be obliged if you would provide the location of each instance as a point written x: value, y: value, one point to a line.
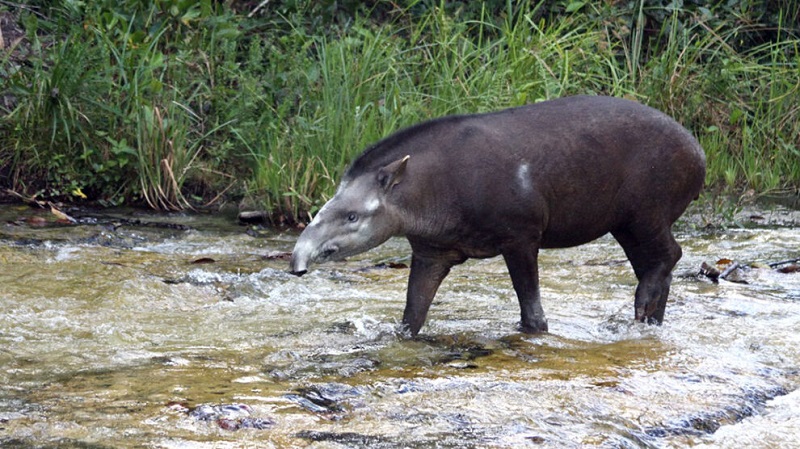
x: 176, y: 105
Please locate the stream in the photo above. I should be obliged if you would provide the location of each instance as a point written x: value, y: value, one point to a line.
x: 133, y: 329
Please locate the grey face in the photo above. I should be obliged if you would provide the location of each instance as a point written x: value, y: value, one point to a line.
x: 348, y: 224
x: 356, y: 219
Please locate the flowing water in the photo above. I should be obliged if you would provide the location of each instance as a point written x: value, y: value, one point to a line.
x: 123, y: 332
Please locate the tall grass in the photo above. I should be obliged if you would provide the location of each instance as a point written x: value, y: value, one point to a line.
x: 104, y: 111
x: 369, y: 82
x: 742, y: 107
x: 173, y: 108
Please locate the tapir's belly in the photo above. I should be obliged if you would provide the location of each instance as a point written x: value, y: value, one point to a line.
x: 580, y: 222
x: 498, y: 233
x: 502, y: 218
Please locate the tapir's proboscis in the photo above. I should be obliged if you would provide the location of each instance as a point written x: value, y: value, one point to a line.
x: 554, y: 174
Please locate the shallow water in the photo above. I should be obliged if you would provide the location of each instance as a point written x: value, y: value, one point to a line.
x: 120, y: 333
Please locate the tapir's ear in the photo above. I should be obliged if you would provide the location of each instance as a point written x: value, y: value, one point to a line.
x: 392, y: 174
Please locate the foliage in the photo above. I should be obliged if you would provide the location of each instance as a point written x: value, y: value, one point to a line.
x: 175, y: 102
x: 103, y: 101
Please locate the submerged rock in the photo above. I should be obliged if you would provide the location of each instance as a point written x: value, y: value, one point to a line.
x: 349, y: 439
x: 707, y: 423
x: 325, y: 399
x: 230, y: 416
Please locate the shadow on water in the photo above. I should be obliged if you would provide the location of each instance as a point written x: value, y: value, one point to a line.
x: 139, y: 330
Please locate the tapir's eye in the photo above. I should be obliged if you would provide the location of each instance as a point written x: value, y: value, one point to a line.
x: 352, y: 217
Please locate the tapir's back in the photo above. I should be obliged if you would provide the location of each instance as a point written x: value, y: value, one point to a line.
x: 599, y: 162
x: 577, y: 167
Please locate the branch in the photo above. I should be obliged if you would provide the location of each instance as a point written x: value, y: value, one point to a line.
x: 260, y: 5
x: 783, y: 262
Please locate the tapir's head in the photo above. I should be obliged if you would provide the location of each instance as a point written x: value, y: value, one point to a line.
x: 359, y: 217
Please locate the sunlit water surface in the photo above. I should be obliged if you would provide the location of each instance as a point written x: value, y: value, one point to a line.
x: 110, y: 336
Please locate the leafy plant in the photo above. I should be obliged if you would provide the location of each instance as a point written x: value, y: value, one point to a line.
x: 175, y: 103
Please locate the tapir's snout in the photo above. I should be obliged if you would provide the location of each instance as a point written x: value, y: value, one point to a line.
x: 298, y: 266
x: 301, y: 256
x: 301, y: 259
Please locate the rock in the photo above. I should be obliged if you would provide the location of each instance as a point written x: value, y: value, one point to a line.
x: 226, y: 416
x: 253, y: 217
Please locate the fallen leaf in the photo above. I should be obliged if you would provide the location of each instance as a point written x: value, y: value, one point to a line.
x: 79, y: 193
x: 36, y: 221
x: 61, y: 216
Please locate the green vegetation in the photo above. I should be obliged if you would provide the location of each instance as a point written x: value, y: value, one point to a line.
x: 178, y: 103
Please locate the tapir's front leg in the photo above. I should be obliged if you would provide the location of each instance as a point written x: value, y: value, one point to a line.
x: 524, y: 270
x: 426, y: 276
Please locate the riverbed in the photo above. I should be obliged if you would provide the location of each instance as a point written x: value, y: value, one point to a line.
x: 133, y: 329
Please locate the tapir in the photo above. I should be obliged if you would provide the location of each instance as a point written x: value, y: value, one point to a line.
x: 554, y: 174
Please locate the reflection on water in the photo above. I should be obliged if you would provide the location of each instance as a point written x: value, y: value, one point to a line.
x: 110, y: 336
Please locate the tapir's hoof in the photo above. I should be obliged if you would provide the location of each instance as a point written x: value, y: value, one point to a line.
x: 653, y: 317
x: 536, y: 327
x: 299, y: 273
x: 406, y: 331
x: 650, y: 320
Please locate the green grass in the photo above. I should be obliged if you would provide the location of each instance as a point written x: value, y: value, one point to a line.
x: 177, y: 104
x: 742, y: 107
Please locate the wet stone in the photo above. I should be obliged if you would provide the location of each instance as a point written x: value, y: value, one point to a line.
x: 343, y: 365
x: 704, y: 424
x: 457, y: 352
x: 349, y: 439
x: 228, y: 416
x: 326, y: 399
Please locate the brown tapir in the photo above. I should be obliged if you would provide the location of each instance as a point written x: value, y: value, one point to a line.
x: 550, y: 175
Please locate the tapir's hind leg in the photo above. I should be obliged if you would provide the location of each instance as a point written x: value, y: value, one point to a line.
x: 653, y: 254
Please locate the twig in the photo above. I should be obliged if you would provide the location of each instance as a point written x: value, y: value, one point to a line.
x: 783, y: 262
x: 219, y: 195
x: 27, y: 199
x: 729, y: 269
x: 44, y: 205
x: 260, y: 5
x: 33, y: 10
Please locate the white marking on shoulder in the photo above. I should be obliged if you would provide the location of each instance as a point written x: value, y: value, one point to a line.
x: 523, y: 177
